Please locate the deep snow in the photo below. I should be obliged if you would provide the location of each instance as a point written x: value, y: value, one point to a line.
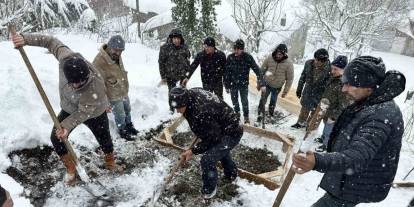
x: 26, y: 124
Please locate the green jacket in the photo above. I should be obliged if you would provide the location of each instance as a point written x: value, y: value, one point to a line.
x: 338, y: 101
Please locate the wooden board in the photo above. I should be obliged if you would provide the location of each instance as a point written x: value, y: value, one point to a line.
x: 403, y: 184
x: 267, y: 134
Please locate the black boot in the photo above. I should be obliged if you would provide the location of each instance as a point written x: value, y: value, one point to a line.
x: 271, y: 110
x: 123, y: 133
x: 131, y: 129
x: 298, y: 125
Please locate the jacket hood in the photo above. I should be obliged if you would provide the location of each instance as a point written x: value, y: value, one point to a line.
x: 176, y: 32
x: 392, y: 86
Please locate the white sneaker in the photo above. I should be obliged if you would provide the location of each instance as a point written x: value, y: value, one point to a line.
x: 210, y: 195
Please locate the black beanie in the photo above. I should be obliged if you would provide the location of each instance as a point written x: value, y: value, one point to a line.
x: 75, y: 69
x: 239, y: 44
x: 282, y: 48
x: 321, y: 54
x: 178, y: 97
x: 340, y: 61
x: 209, y: 41
x: 364, y: 72
x: 116, y: 42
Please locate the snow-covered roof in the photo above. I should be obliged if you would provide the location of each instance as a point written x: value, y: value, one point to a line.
x: 158, y: 6
x: 159, y: 20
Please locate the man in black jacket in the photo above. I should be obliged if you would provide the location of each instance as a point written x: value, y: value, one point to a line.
x: 216, y: 125
x: 212, y: 62
x: 364, y: 146
x: 236, y: 77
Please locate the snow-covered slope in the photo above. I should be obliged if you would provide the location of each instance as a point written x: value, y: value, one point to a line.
x: 25, y: 122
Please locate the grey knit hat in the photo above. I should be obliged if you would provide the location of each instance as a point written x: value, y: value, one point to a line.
x: 116, y: 42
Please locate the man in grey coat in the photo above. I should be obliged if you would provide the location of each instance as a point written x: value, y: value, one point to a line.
x: 364, y: 147
x: 82, y: 99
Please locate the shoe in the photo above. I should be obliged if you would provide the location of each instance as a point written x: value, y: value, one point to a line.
x: 271, y: 110
x: 318, y: 140
x: 207, y: 196
x: 111, y: 165
x: 131, y: 129
x: 298, y: 125
x: 259, y: 118
x: 123, y: 133
x: 228, y: 180
x: 246, y: 120
x: 70, y: 176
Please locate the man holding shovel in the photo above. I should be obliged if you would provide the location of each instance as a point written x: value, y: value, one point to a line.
x: 216, y: 125
x: 365, y: 143
x: 82, y: 99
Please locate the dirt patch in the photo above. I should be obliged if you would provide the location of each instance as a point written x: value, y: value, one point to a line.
x: 35, y: 169
x: 183, y: 139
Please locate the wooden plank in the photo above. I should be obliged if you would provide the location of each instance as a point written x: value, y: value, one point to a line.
x: 271, y: 185
x: 272, y: 174
x: 267, y: 134
x: 176, y: 123
x: 167, y: 135
x: 286, y: 163
x: 165, y: 143
x: 403, y: 184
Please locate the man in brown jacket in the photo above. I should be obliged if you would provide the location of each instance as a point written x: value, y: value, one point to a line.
x: 278, y: 71
x: 109, y: 63
x: 82, y: 99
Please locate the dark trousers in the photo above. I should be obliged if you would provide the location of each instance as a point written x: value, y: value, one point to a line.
x: 219, y: 152
x: 216, y: 88
x: 273, y: 92
x: 234, y: 93
x: 330, y: 201
x: 99, y: 127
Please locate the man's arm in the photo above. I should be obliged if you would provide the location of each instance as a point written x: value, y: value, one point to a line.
x: 162, y: 60
x: 86, y: 107
x: 194, y: 65
x: 209, y: 136
x: 302, y: 81
x: 55, y: 46
x: 289, y: 79
x: 253, y: 65
x: 363, y: 146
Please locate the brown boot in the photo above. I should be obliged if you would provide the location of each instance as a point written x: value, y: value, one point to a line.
x: 111, y: 165
x: 70, y: 176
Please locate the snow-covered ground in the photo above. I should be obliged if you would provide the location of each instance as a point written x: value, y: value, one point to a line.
x: 26, y: 124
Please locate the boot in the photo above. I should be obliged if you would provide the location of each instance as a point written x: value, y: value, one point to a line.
x: 70, y: 176
x: 123, y: 133
x: 271, y: 110
x: 111, y: 165
x: 298, y: 125
x: 131, y: 129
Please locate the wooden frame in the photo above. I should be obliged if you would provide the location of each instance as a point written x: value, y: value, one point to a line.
x: 271, y: 180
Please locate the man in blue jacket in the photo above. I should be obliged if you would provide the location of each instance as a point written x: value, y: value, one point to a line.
x: 364, y: 146
x: 217, y: 126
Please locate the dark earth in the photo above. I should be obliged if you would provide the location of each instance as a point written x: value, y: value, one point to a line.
x: 39, y: 169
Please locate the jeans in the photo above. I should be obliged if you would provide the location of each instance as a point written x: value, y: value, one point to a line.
x: 327, y: 129
x: 273, y: 92
x: 216, y: 88
x: 122, y: 112
x: 234, y: 93
x: 99, y: 127
x: 219, y: 152
x: 330, y: 201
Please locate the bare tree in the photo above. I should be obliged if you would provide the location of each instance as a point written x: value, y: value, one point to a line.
x: 349, y: 26
x: 256, y: 17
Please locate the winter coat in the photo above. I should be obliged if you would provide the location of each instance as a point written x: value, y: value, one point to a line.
x: 237, y: 70
x: 210, y: 118
x: 114, y: 74
x: 174, y: 61
x: 89, y: 101
x: 364, y: 146
x: 312, y: 84
x: 276, y: 74
x: 212, y: 67
x: 338, y: 101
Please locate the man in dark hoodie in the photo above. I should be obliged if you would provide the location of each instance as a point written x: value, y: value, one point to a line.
x: 212, y: 62
x: 365, y: 143
x: 174, y: 60
x: 277, y: 71
x: 217, y: 126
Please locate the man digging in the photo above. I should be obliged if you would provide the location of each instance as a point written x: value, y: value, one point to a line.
x: 217, y: 126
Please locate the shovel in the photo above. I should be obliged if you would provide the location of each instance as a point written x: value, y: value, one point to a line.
x: 158, y: 191
x: 101, y: 195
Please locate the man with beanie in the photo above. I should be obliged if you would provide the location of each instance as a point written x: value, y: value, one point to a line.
x: 109, y: 63
x: 337, y: 99
x: 174, y: 60
x: 212, y: 62
x: 82, y: 99
x: 277, y: 70
x: 364, y: 146
x: 217, y: 126
x: 312, y: 83
x: 5, y: 198
x: 236, y: 77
